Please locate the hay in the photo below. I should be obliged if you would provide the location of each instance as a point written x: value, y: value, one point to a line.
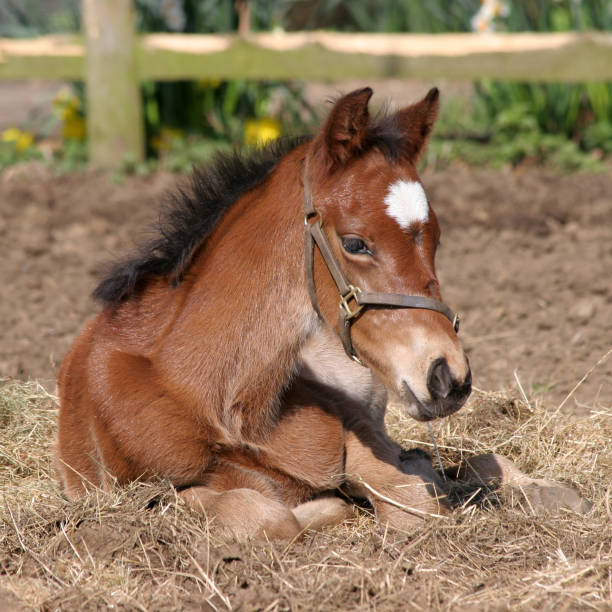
x: 138, y: 549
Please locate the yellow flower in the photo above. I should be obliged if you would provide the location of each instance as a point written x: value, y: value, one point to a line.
x: 68, y: 108
x: 74, y: 128
x: 22, y: 140
x: 258, y: 132
x: 66, y: 104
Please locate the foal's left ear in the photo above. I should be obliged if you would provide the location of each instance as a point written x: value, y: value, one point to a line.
x: 416, y: 122
x: 345, y: 130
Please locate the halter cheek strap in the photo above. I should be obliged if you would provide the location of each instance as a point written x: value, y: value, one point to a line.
x: 352, y: 299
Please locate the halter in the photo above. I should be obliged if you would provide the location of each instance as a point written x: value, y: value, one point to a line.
x: 352, y: 299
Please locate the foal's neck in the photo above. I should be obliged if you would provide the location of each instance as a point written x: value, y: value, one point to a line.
x: 247, y: 311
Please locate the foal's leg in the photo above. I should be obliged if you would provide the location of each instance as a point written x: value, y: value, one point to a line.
x: 403, y: 493
x: 322, y: 512
x: 244, y: 513
x: 298, y: 465
x: 125, y: 427
x: 535, y: 494
x: 248, y: 514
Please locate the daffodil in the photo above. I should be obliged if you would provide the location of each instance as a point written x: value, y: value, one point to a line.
x: 74, y: 128
x: 66, y: 104
x: 258, y: 132
x: 68, y: 108
x: 20, y: 139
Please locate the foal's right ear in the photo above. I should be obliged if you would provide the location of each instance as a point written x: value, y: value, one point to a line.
x: 345, y: 130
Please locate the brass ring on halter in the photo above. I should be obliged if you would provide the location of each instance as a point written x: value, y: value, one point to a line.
x: 352, y: 293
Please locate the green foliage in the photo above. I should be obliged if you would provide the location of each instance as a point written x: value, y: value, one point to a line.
x: 205, y: 16
x: 552, y: 108
x: 213, y: 109
x: 513, y: 136
x: 218, y: 110
x: 10, y: 154
x: 558, y: 16
x: 567, y: 125
x: 73, y: 157
x: 599, y: 136
x: 554, y: 151
x: 380, y: 15
x: 182, y: 155
x: 551, y: 120
x: 25, y: 18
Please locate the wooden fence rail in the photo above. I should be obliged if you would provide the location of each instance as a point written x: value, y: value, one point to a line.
x: 112, y: 61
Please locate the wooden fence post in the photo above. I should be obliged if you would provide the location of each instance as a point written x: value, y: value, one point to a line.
x: 114, y: 112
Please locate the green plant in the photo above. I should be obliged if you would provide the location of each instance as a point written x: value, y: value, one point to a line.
x: 213, y: 109
x: 466, y: 131
x: 11, y: 153
x: 25, y: 18
x: 219, y: 110
x: 380, y: 15
x: 554, y: 109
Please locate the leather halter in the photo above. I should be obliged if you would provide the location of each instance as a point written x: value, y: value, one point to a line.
x: 352, y: 299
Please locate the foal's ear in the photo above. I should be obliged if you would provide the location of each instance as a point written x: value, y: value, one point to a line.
x: 345, y: 130
x: 416, y: 121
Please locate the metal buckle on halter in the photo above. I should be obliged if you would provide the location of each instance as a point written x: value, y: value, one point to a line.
x: 352, y: 293
x: 456, y: 322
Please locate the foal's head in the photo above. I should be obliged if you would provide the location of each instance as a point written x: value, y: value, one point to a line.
x: 384, y: 234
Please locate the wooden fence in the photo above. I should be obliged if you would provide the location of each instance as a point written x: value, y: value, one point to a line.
x: 113, y: 60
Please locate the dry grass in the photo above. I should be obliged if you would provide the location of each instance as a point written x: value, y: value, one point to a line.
x: 138, y: 549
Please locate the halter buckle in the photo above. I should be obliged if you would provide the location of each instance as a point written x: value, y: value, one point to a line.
x: 351, y: 294
x: 456, y: 322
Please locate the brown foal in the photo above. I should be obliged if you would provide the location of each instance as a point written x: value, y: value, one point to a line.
x: 217, y: 362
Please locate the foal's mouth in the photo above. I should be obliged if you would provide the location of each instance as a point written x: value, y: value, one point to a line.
x: 435, y: 409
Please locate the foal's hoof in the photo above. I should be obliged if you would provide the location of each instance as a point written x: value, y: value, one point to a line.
x: 545, y: 496
x: 513, y: 486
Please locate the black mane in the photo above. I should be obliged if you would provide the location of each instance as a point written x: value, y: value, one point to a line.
x: 194, y: 212
x: 191, y: 216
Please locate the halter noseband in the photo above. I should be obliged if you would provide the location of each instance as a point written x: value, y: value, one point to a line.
x: 352, y: 299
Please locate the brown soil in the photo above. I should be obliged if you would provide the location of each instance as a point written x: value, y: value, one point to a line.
x: 526, y: 257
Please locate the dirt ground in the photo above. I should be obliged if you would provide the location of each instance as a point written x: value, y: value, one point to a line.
x: 526, y: 257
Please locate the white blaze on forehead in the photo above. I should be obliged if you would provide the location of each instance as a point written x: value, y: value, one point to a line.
x: 407, y: 203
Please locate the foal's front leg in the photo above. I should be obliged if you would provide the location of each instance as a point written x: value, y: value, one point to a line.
x: 403, y: 491
x: 517, y: 488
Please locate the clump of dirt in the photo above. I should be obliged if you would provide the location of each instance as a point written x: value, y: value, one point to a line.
x: 526, y: 258
x: 138, y: 547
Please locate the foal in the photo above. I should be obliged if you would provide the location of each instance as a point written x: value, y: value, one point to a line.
x: 219, y: 364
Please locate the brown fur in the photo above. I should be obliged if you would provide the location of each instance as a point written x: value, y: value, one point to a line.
x: 217, y: 384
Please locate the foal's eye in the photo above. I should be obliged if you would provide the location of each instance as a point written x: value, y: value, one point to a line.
x: 355, y: 246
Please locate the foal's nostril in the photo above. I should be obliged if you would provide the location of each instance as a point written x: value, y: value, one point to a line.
x: 442, y: 385
x: 439, y: 379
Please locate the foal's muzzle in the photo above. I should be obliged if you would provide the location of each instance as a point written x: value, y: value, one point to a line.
x: 447, y: 393
x: 442, y: 386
